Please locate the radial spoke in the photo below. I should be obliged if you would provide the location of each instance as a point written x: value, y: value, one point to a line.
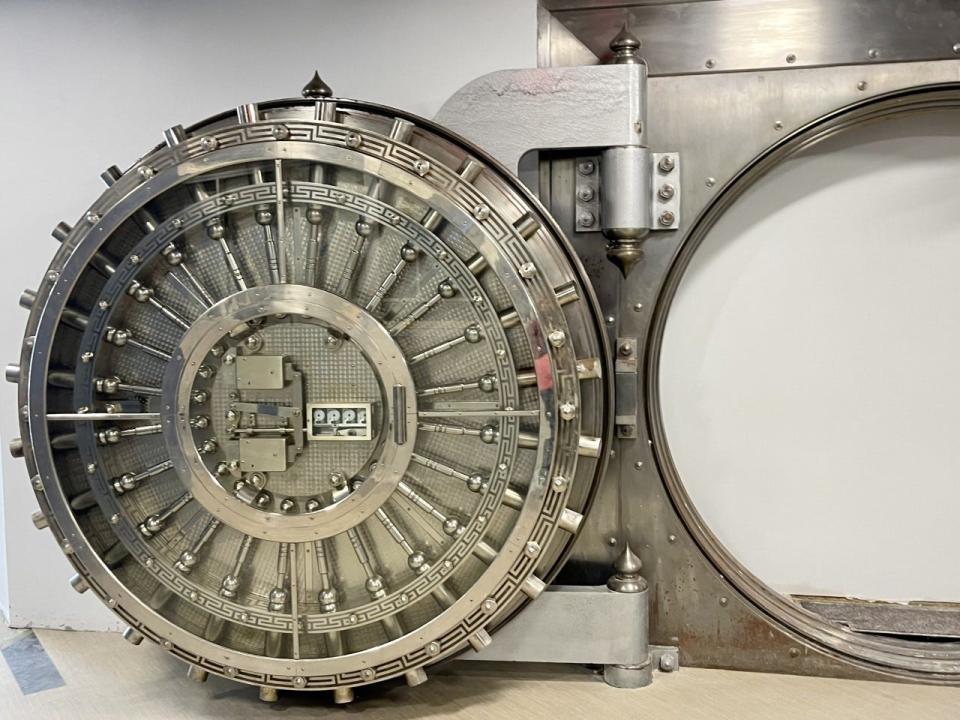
x: 471, y: 335
x: 408, y: 254
x: 189, y: 558
x: 155, y: 523
x: 98, y: 416
x: 450, y: 525
x: 121, y: 338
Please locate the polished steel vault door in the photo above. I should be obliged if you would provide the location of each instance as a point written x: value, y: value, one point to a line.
x: 313, y: 395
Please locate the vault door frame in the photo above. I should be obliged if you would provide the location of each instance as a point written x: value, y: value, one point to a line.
x: 731, y: 117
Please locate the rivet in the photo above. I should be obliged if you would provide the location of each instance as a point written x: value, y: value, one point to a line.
x: 533, y: 549
x: 299, y: 681
x: 671, y: 538
x: 208, y: 143
x: 421, y: 167
x: 489, y: 605
x: 280, y: 132
x: 794, y: 652
x: 710, y: 182
x: 638, y: 465
x: 710, y: 63
x: 115, y: 519
x: 92, y: 218
x: 585, y: 218
x: 791, y: 58
x: 777, y: 125
x: 862, y: 85
x: 353, y: 140
x: 638, y: 307
x: 873, y: 53
x: 91, y: 469
x: 145, y: 172
x: 611, y: 541
x: 433, y: 648
x: 956, y: 48
x: 724, y: 601
x: 481, y: 212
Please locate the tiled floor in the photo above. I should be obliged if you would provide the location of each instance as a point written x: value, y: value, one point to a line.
x: 105, y: 677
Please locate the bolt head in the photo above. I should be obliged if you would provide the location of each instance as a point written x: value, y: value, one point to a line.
x: 421, y: 167
x: 475, y: 482
x: 666, y: 191
x: 472, y: 334
x: 666, y: 164
x: 568, y: 411
x: 585, y: 194
x: 586, y: 219
x: 488, y: 434
x: 451, y: 526
x: 528, y: 270
x: 666, y: 218
x: 586, y: 167
x: 280, y: 132
x: 557, y: 338
x: 446, y: 289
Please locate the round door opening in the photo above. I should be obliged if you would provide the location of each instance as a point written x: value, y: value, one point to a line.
x: 804, y: 361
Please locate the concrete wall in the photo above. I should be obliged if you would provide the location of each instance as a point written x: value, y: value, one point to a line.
x: 87, y: 85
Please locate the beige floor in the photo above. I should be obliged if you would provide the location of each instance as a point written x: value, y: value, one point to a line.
x: 108, y: 678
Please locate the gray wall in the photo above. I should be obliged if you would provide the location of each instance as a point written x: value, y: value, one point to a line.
x: 86, y: 85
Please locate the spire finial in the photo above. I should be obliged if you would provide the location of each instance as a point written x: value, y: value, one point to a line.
x: 626, y: 47
x: 627, y: 578
x: 316, y: 88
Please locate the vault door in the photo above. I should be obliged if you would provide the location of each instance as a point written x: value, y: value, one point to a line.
x: 313, y: 395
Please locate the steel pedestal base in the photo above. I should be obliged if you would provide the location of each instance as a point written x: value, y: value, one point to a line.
x: 585, y: 626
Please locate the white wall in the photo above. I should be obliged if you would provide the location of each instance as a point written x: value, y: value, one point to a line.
x: 86, y: 85
x: 811, y: 368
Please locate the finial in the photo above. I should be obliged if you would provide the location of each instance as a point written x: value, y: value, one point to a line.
x: 624, y: 254
x: 626, y: 47
x: 627, y: 578
x: 316, y: 88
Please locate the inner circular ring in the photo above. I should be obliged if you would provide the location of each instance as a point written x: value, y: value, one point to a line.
x: 385, y: 358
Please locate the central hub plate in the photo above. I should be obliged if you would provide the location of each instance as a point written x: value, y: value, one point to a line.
x: 296, y: 412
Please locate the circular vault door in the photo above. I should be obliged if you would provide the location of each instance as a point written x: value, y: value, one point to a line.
x: 312, y: 395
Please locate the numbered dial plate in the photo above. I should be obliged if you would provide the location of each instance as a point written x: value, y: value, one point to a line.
x: 314, y: 396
